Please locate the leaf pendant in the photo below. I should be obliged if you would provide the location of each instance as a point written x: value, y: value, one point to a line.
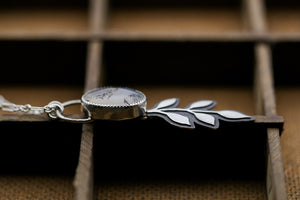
x: 196, y: 113
x: 168, y: 103
x: 178, y: 118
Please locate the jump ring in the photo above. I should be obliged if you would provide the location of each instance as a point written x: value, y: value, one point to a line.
x: 52, y: 107
x: 59, y: 113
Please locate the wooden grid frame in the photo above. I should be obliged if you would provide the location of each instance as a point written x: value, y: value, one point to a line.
x: 255, y: 18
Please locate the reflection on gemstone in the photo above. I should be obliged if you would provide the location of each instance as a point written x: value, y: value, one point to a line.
x: 114, y: 96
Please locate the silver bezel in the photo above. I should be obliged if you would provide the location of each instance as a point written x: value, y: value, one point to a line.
x: 115, y: 112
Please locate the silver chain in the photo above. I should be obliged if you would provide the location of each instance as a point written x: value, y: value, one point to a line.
x: 54, y: 109
x: 50, y: 109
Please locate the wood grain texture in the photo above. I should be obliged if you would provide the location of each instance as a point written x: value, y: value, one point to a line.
x: 93, y: 70
x: 265, y: 100
x: 83, y: 181
x: 84, y: 178
x: 276, y: 188
x: 172, y: 36
x: 264, y: 72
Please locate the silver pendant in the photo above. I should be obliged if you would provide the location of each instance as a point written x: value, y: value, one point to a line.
x: 115, y: 103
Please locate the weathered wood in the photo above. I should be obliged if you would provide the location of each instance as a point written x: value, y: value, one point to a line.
x: 264, y: 72
x: 254, y: 23
x: 83, y: 181
x: 31, y: 118
x: 276, y: 188
x: 255, y: 16
x: 97, y: 15
x: 268, y: 121
x: 265, y: 100
x: 93, y: 70
x: 257, y: 92
x: 261, y: 119
x: 150, y: 36
x: 23, y: 118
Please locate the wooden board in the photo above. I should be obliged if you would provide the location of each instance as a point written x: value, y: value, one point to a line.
x: 43, y: 19
x: 181, y: 20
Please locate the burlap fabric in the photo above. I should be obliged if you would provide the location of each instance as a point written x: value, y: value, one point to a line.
x: 35, y: 187
x: 288, y: 105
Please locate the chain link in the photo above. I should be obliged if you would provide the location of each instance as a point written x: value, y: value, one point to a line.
x: 54, y: 109
x: 50, y: 109
x: 10, y: 107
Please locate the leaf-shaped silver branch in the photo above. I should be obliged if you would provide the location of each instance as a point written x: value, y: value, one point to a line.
x: 196, y: 113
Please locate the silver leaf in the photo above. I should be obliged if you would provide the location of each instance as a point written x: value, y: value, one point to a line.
x: 231, y: 114
x: 180, y: 119
x: 167, y: 103
x: 198, y: 112
x: 209, y: 119
x: 201, y: 104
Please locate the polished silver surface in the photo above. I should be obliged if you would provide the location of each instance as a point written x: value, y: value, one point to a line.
x: 196, y: 113
x: 114, y: 103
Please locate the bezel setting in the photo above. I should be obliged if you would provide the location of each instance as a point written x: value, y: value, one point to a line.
x: 114, y: 111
